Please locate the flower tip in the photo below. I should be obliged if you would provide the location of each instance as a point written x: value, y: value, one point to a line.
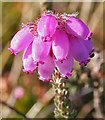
x: 91, y: 52
x: 28, y: 71
x: 35, y: 62
x: 72, y: 70
x: 41, y: 62
x: 61, y: 60
x: 66, y: 75
x: 47, y: 38
x: 84, y: 62
x: 44, y: 79
x: 90, y: 34
x: 92, y: 55
x: 13, y: 52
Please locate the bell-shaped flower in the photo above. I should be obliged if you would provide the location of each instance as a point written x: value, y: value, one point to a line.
x: 65, y: 67
x: 28, y: 63
x: 60, y: 45
x: 78, y: 50
x: 45, y: 70
x: 76, y: 27
x: 21, y: 39
x: 47, y: 27
x: 40, y: 49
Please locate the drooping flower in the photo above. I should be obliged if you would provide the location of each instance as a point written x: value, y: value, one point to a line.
x: 40, y: 49
x: 22, y: 39
x: 28, y: 62
x: 55, y: 40
x: 60, y: 45
x: 66, y: 67
x: 78, y: 50
x: 45, y: 70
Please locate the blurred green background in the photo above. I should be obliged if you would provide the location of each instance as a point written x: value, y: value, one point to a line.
x: 86, y: 84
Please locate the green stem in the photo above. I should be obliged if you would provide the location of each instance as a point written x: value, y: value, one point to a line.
x: 62, y: 102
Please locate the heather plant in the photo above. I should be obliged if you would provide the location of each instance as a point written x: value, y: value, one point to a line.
x: 51, y: 44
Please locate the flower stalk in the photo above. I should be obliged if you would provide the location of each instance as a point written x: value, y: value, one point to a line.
x: 62, y: 102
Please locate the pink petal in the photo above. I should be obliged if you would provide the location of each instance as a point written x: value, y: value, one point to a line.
x: 21, y: 39
x: 66, y: 67
x: 28, y: 62
x: 89, y: 45
x: 76, y: 27
x: 47, y: 26
x: 60, y: 45
x: 78, y: 50
x: 45, y: 70
x: 40, y: 49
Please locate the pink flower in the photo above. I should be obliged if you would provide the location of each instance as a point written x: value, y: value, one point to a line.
x: 45, y: 70
x: 77, y: 28
x: 22, y: 39
x: 66, y: 66
x: 28, y: 63
x: 56, y: 40
x: 40, y: 49
x: 60, y: 45
x: 78, y: 50
x: 18, y: 92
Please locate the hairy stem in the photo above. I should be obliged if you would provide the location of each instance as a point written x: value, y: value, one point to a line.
x: 62, y: 102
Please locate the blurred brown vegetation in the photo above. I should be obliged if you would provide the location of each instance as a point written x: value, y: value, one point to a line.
x: 86, y: 84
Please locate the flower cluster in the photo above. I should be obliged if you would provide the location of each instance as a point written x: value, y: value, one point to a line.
x: 54, y: 40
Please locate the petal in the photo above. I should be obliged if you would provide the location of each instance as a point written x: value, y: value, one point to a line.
x: 78, y: 50
x: 21, y: 39
x: 89, y: 45
x: 60, y: 45
x: 66, y: 67
x: 40, y: 49
x: 47, y: 26
x: 45, y: 70
x: 28, y: 63
x: 76, y: 27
